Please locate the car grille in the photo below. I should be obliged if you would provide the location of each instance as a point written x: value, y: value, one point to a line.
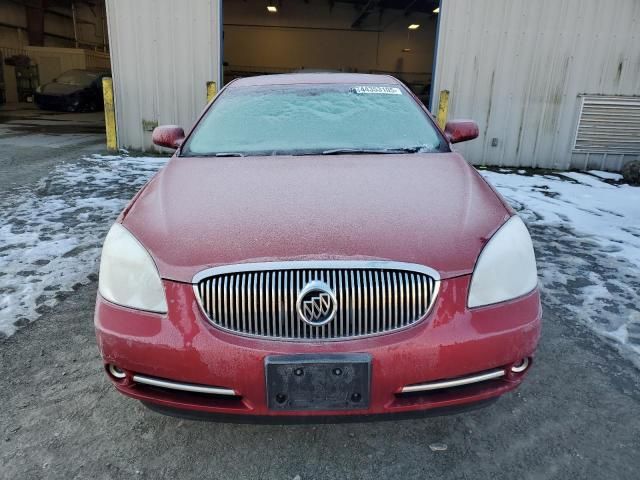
x: 370, y: 298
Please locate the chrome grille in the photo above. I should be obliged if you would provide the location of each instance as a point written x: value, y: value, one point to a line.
x: 371, y: 297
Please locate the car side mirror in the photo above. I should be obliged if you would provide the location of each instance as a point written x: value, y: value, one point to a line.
x: 461, y: 130
x: 170, y: 136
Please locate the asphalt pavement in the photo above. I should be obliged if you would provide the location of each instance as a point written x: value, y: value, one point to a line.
x: 34, y: 141
x: 576, y: 416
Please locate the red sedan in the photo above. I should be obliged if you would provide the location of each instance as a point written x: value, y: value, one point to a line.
x: 316, y: 248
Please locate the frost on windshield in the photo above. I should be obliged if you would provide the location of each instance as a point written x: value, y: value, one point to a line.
x: 311, y: 118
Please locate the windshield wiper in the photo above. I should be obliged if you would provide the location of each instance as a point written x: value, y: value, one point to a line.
x: 338, y: 151
x: 229, y: 154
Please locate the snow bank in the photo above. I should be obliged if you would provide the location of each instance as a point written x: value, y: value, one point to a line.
x: 50, y: 237
x: 586, y: 234
x: 609, y: 213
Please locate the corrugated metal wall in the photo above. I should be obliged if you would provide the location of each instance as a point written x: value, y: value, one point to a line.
x: 163, y: 52
x: 519, y: 67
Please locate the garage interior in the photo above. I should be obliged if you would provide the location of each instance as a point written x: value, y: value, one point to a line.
x: 39, y: 41
x: 395, y: 37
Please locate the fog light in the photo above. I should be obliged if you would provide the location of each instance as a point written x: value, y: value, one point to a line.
x: 521, y: 366
x: 116, y: 372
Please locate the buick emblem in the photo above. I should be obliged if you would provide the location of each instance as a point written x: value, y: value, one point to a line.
x: 316, y: 303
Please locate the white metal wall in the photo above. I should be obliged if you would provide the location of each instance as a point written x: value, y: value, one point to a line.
x: 162, y: 54
x: 518, y: 67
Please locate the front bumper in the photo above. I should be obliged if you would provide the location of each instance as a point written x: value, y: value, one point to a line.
x: 64, y: 103
x: 452, y: 342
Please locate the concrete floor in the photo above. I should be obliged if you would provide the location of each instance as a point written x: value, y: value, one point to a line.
x: 32, y: 141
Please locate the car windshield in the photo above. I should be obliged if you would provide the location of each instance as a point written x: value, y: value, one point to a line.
x: 77, y: 77
x: 313, y: 119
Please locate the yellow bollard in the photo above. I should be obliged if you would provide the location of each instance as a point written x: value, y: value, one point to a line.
x: 109, y: 113
x: 443, y: 108
x: 211, y: 91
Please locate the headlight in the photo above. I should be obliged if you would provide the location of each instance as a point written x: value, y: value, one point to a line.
x: 506, y: 268
x: 128, y: 274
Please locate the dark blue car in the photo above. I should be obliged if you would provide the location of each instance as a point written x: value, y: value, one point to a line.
x: 73, y: 91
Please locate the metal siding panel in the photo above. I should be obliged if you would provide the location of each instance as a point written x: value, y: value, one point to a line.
x: 517, y: 68
x: 163, y: 53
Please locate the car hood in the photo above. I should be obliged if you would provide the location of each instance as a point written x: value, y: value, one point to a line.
x: 430, y: 209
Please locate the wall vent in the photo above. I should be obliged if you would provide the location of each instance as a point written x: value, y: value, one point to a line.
x: 608, y: 125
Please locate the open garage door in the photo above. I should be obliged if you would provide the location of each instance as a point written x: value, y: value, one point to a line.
x: 53, y: 55
x: 395, y: 37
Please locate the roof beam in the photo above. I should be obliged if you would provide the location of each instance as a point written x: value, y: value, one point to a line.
x: 409, y: 8
x: 364, y: 13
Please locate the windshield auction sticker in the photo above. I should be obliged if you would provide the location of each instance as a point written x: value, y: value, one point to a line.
x: 378, y: 90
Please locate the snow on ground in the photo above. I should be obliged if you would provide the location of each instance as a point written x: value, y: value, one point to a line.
x: 585, y: 227
x: 586, y: 232
x: 50, y: 236
x: 606, y: 175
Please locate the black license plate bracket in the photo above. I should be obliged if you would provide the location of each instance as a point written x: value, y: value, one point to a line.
x: 318, y: 382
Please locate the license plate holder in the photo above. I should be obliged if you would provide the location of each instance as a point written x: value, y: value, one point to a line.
x: 318, y: 382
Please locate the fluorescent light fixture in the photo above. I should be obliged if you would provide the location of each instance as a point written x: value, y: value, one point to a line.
x: 436, y: 10
x: 272, y: 8
x: 414, y: 26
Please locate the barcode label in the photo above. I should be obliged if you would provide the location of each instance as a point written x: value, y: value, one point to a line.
x: 378, y: 90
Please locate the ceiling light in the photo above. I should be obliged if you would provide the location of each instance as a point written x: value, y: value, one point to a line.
x: 436, y: 10
x: 272, y: 8
x: 414, y: 26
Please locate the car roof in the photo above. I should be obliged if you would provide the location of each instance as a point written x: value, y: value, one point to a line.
x: 87, y: 70
x: 302, y: 78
